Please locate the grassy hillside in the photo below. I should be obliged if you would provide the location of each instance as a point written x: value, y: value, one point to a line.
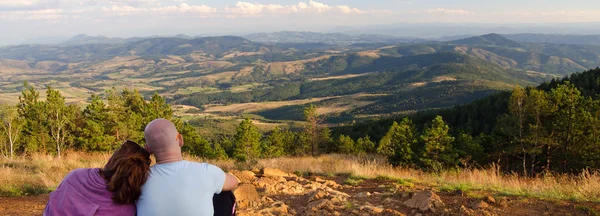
x: 390, y: 78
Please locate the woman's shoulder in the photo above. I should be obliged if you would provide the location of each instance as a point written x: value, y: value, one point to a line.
x: 82, y: 171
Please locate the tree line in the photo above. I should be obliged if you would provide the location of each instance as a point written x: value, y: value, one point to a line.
x: 554, y: 127
x: 551, y: 128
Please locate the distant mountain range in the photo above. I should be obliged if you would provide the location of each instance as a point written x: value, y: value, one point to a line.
x: 555, y: 38
x: 296, y: 37
x: 327, y: 38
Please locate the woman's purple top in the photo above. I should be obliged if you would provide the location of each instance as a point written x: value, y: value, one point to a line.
x: 83, y: 192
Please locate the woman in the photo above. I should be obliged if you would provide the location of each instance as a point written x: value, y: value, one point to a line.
x: 111, y: 190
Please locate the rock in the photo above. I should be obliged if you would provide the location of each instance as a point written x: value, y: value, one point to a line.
x: 490, y: 199
x: 332, y: 184
x: 388, y: 200
x: 275, y: 172
x: 290, y: 187
x: 277, y: 208
x: 391, y: 212
x: 480, y: 205
x: 371, y: 209
x: 425, y: 201
x: 247, y: 196
x: 316, y: 205
x: 317, y: 195
x: 362, y: 194
x: 320, y: 180
x: 314, y: 186
x: 466, y: 211
x: 244, y: 176
x: 337, y: 193
x: 418, y: 214
x: 266, y: 199
x: 265, y: 182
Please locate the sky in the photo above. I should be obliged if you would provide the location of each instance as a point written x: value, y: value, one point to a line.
x: 21, y: 20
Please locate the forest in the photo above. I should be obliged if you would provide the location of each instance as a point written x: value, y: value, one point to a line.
x: 551, y: 128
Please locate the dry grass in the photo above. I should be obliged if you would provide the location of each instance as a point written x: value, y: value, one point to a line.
x: 42, y: 173
x: 583, y: 187
x: 347, y: 76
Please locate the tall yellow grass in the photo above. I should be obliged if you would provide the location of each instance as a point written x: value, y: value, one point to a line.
x: 42, y: 173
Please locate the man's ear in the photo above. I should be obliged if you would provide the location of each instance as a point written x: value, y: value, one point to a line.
x: 147, y: 147
x: 180, y: 139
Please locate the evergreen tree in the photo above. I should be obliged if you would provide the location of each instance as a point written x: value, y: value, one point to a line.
x: 345, y: 145
x: 438, y: 152
x: 274, y: 145
x: 247, y: 142
x: 194, y: 143
x: 365, y: 145
x: 312, y: 129
x: 94, y: 135
x: 398, y: 142
x: 220, y: 152
x: 158, y: 108
x: 35, y: 132
x: 538, y: 110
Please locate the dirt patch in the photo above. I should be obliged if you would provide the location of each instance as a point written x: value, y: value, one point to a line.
x: 30, y: 205
x: 443, y: 78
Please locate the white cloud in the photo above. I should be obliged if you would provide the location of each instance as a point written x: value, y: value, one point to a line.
x: 18, y: 3
x: 46, y: 14
x: 181, y: 8
x: 346, y: 9
x: 450, y: 11
x: 257, y: 9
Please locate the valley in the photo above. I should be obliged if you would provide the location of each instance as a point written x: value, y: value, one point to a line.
x: 232, y: 76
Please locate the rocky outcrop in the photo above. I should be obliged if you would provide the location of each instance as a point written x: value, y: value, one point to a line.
x: 425, y: 201
x: 247, y: 196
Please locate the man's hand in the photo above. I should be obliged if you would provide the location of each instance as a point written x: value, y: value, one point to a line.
x: 231, y: 182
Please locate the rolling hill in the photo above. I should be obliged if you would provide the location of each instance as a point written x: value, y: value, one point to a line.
x: 355, y: 81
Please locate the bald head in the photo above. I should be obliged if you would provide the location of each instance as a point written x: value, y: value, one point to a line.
x: 163, y: 140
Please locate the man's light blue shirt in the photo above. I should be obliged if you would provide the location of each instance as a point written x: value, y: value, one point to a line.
x: 180, y: 188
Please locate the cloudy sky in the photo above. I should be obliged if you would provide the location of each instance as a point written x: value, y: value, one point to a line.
x: 25, y: 19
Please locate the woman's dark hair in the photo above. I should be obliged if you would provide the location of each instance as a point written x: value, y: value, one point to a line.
x: 126, y: 171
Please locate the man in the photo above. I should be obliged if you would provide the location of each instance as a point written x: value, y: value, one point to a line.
x: 176, y: 186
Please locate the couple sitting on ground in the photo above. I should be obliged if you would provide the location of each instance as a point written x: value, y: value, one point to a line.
x: 127, y: 185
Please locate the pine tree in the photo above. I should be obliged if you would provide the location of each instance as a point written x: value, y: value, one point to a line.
x: 33, y: 111
x: 247, y: 142
x: 438, y: 151
x: 194, y: 144
x: 567, y: 126
x: 94, y: 135
x: 398, y: 142
x: 157, y: 108
x: 274, y: 145
x: 365, y: 145
x: 538, y: 109
x: 312, y: 129
x: 345, y: 145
